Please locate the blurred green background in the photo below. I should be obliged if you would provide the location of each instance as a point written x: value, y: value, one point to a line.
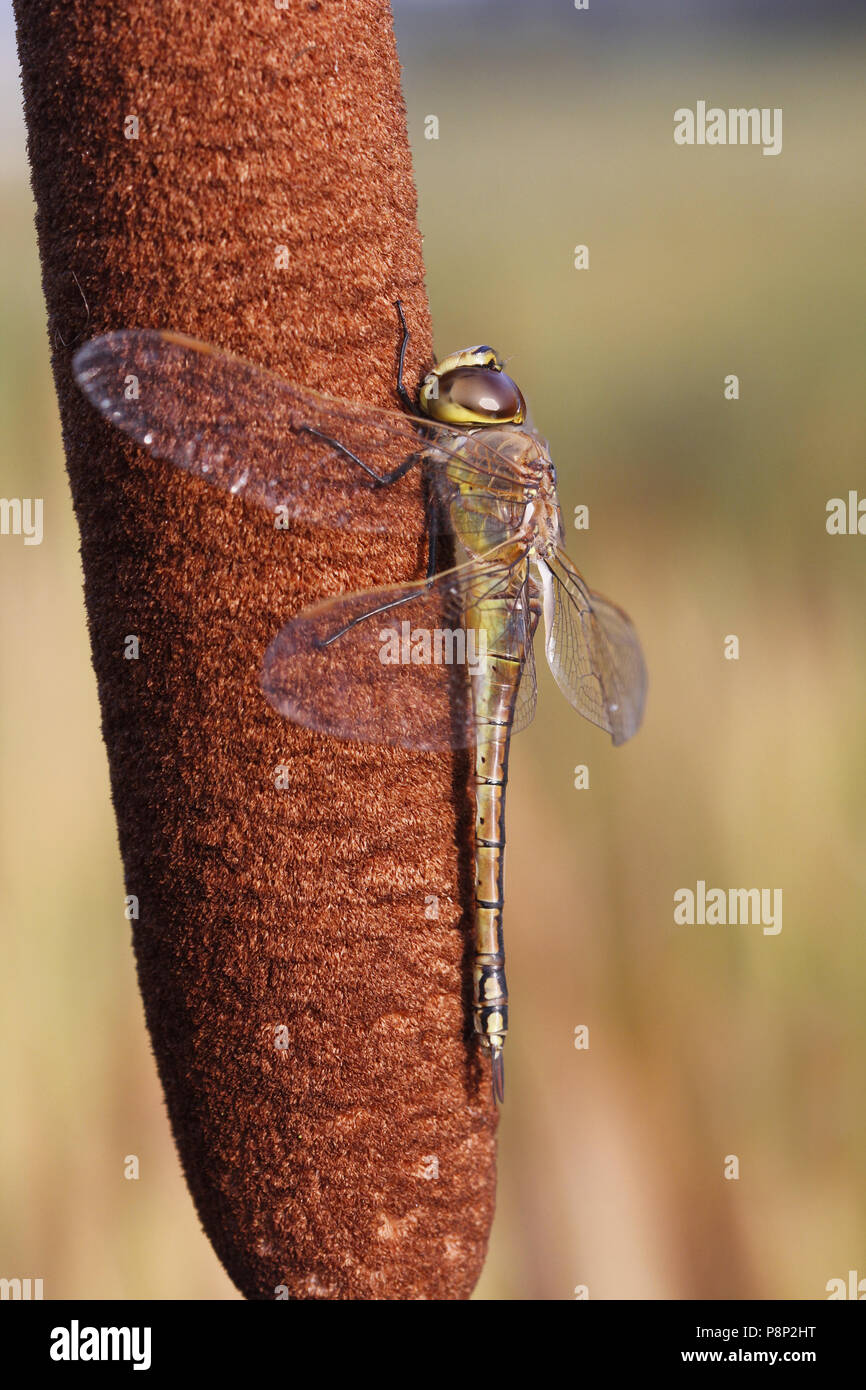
x: 707, y: 519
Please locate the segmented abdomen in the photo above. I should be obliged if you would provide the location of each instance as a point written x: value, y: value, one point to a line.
x: 508, y: 620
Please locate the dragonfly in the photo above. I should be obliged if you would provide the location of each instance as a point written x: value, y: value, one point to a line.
x: 442, y: 662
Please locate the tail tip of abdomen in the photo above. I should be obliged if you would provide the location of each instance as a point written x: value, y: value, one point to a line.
x: 497, y: 1070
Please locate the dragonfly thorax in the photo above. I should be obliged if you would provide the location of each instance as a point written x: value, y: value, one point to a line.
x: 508, y: 493
x: 542, y: 528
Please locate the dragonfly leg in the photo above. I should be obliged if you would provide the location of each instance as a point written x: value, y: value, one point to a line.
x: 362, y: 618
x: 431, y: 553
x: 382, y: 479
x: 406, y: 399
x: 395, y: 603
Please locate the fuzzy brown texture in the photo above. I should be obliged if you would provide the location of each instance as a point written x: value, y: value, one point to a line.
x: 358, y: 1162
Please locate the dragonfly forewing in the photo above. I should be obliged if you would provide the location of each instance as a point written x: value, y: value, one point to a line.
x: 302, y: 455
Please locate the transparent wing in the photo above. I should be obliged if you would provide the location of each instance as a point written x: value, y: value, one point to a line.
x: 258, y: 436
x: 593, y: 651
x: 395, y: 665
x: 523, y: 630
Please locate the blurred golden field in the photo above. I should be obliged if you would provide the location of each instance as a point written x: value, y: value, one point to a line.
x: 707, y: 519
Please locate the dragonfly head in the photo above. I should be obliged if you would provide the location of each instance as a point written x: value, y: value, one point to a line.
x: 470, y: 388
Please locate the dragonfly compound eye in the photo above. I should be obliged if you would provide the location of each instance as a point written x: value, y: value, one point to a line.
x: 472, y: 395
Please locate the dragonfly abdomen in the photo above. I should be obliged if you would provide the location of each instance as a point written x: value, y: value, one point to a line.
x: 495, y: 695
